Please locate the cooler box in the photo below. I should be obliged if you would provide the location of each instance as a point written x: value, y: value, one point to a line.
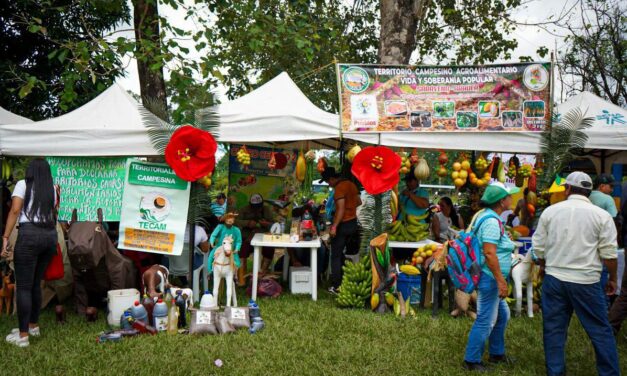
x: 118, y: 302
x: 526, y: 240
x: 300, y: 280
x: 406, y: 284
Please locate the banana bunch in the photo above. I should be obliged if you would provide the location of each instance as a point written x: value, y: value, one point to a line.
x: 356, y: 284
x: 6, y: 170
x: 243, y: 156
x: 410, y: 229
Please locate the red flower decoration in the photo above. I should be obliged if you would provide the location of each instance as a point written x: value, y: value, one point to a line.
x: 191, y: 153
x: 376, y: 167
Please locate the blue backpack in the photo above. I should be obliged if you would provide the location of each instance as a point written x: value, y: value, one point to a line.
x: 463, y: 257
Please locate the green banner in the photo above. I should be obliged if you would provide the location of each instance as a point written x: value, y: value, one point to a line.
x: 154, y: 209
x: 396, y: 98
x: 88, y: 184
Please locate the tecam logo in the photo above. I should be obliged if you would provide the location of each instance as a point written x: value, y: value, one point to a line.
x: 154, y: 208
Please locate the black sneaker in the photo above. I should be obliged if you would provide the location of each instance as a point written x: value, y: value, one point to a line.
x: 501, y: 359
x: 334, y: 290
x: 475, y: 367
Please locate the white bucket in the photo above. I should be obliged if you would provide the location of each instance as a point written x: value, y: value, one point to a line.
x: 118, y: 302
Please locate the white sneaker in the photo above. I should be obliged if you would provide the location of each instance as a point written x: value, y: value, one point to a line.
x: 15, y: 339
x: 31, y: 331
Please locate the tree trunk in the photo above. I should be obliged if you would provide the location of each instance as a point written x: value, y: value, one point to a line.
x: 148, y: 49
x: 399, y: 23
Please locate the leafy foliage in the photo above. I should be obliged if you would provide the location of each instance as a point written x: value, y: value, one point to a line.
x: 374, y: 216
x: 560, y: 142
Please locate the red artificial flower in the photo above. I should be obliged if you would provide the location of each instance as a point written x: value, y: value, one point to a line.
x: 191, y: 153
x: 376, y: 167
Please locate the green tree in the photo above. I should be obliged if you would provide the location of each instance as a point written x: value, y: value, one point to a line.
x: 50, y: 60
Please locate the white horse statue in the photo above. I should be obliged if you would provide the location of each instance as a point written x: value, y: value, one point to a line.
x: 522, y: 273
x: 224, y: 267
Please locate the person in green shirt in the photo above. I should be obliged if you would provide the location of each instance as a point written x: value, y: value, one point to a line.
x: 414, y: 200
x: 604, y: 184
x: 217, y: 237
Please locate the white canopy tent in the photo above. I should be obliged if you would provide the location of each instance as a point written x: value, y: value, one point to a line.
x: 8, y: 117
x: 111, y: 124
x: 276, y: 113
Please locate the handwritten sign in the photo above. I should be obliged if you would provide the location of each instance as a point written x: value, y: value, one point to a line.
x: 88, y: 184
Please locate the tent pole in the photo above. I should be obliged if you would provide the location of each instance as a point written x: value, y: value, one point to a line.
x: 192, y: 248
x: 603, y: 158
x: 2, y: 198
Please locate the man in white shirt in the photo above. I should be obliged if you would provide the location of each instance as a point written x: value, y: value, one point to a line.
x: 573, y: 239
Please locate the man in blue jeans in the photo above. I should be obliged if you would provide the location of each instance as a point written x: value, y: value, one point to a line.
x: 573, y: 240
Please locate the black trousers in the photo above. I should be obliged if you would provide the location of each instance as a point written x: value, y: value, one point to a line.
x: 34, y: 248
x: 345, y: 231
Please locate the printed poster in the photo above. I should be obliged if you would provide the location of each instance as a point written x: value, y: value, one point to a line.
x: 392, y: 98
x: 154, y: 209
x: 88, y: 184
x: 276, y: 186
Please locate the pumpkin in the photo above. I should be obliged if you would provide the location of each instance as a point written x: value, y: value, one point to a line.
x: 301, y: 167
x: 522, y: 230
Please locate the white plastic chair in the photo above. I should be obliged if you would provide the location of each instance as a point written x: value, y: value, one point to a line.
x: 179, y: 266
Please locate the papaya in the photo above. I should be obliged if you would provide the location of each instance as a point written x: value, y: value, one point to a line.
x: 522, y: 230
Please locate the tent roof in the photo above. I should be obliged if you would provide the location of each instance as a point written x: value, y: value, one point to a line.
x: 279, y: 113
x: 609, y: 130
x: 111, y: 124
x: 8, y: 117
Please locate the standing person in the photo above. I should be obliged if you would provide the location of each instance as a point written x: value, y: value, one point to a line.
x: 414, y: 200
x: 604, y: 185
x: 344, y: 225
x: 573, y: 239
x: 496, y: 261
x: 445, y: 219
x: 33, y: 204
x: 218, y: 208
x: 252, y: 219
x: 521, y: 211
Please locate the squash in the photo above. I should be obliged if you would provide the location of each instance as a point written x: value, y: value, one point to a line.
x: 421, y: 171
x: 522, y: 230
x: 301, y: 167
x: 352, y: 153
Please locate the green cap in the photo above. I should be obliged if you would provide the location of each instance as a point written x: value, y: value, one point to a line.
x: 497, y: 191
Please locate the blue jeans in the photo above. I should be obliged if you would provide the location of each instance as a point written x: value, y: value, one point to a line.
x: 559, y: 299
x: 492, y: 318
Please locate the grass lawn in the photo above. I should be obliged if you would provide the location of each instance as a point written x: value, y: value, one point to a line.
x: 301, y: 337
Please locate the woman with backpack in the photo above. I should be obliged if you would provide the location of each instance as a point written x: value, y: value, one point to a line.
x: 33, y: 208
x: 495, y: 261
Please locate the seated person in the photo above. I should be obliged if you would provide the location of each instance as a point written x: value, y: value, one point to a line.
x: 414, y: 200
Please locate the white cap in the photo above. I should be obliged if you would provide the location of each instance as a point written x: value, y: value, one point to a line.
x: 256, y: 199
x: 579, y: 179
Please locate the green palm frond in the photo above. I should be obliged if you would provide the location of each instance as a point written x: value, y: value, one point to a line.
x: 199, y: 205
x: 208, y: 120
x: 155, y: 116
x: 559, y: 143
x: 374, y: 216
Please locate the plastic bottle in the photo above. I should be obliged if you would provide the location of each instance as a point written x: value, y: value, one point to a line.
x: 139, y: 312
x: 167, y: 298
x: 253, y: 310
x: 149, y: 304
x: 256, y: 325
x: 142, y: 327
x: 180, y: 304
x: 207, y: 301
x: 173, y: 317
x: 124, y: 320
x: 160, y: 316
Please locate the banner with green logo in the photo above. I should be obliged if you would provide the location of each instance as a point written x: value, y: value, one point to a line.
x: 88, y: 184
x: 397, y: 98
x: 154, y: 209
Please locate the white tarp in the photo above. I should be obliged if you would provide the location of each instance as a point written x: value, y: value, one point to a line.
x: 609, y: 130
x: 8, y: 117
x: 276, y: 112
x: 111, y: 124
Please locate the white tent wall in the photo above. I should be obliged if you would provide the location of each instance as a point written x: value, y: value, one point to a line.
x: 8, y: 117
x: 109, y: 125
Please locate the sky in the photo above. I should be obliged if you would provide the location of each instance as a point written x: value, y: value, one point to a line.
x: 530, y: 38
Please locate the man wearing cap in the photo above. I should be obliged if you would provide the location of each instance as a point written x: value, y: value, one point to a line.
x: 573, y: 240
x: 604, y: 185
x: 344, y: 226
x: 495, y: 259
x: 252, y: 219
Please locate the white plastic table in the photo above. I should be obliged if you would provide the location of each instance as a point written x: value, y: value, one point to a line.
x: 257, y: 242
x: 411, y: 245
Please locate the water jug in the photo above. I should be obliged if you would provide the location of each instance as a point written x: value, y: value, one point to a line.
x: 160, y: 315
x: 139, y: 312
x: 253, y: 310
x: 207, y: 301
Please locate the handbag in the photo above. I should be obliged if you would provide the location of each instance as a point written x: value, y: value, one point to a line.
x: 54, y: 270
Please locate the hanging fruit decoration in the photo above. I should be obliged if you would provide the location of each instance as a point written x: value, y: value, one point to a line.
x: 322, y: 164
x: 301, y: 167
x: 523, y: 172
x: 272, y: 161
x: 352, y: 152
x: 443, y: 160
x: 206, y: 180
x: 481, y: 164
x: 413, y: 157
x: 421, y: 170
x: 459, y: 179
x: 513, y: 165
x: 405, y: 167
x: 243, y: 157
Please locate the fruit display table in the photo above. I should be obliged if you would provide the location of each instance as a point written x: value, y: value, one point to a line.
x: 257, y: 242
x: 411, y: 245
